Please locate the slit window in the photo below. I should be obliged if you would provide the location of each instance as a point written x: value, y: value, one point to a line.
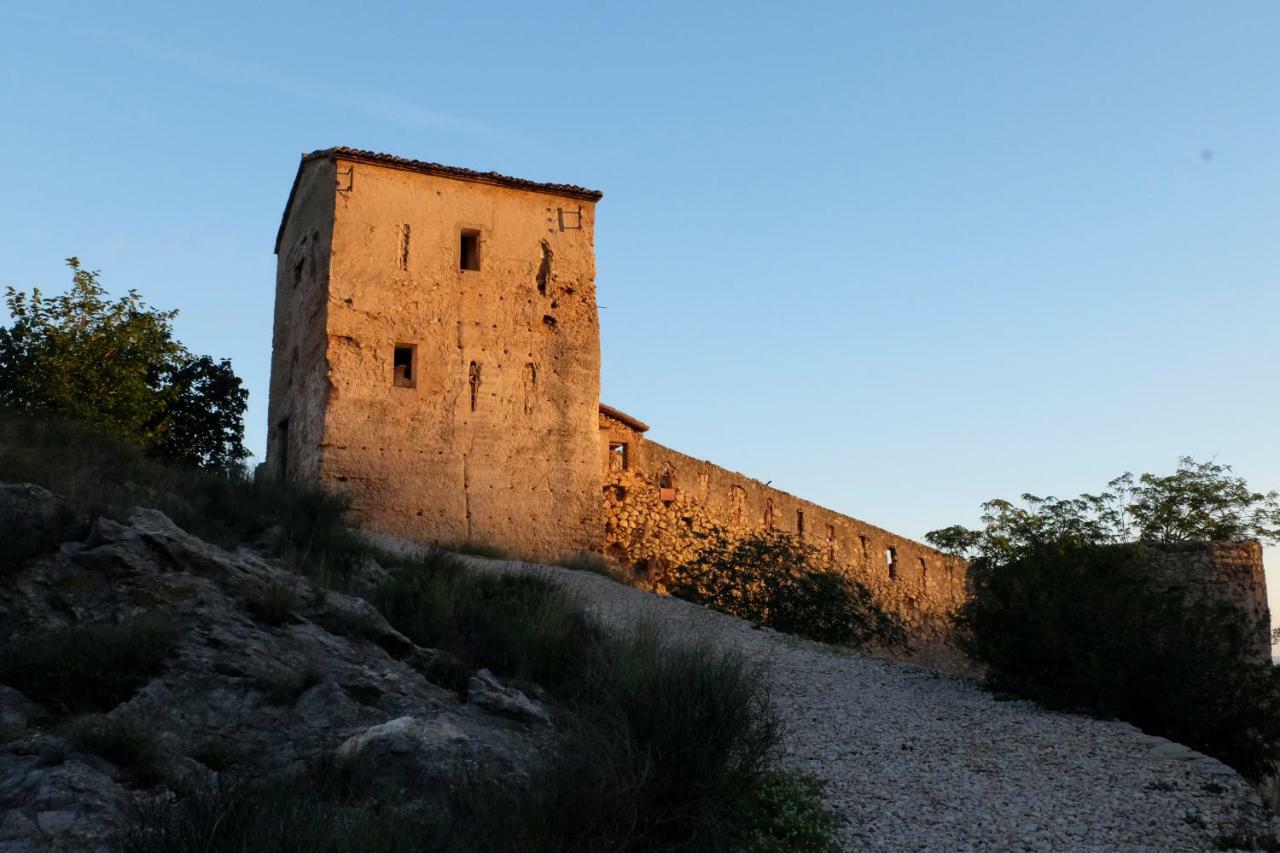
x: 618, y: 456
x: 924, y: 573
x: 403, y: 373
x: 469, y: 250
x: 891, y: 559
x: 800, y: 522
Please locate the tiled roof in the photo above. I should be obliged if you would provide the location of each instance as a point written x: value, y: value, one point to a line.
x: 618, y: 415
x: 390, y: 160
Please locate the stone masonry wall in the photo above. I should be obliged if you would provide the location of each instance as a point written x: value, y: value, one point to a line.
x: 650, y: 534
x: 486, y: 430
x: 1229, y: 570
x: 299, y: 388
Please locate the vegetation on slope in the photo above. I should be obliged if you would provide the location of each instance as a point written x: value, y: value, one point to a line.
x: 1062, y: 612
x: 774, y: 579
x: 658, y: 745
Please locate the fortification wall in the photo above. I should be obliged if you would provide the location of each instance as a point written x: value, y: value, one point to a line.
x: 299, y: 386
x: 651, y: 531
x: 491, y: 434
x: 1227, y: 570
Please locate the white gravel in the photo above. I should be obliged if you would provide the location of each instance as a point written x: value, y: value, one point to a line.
x: 918, y: 760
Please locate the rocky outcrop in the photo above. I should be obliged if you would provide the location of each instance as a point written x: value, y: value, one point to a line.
x: 268, y: 674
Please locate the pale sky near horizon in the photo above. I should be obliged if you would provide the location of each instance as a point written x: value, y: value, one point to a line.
x: 896, y: 258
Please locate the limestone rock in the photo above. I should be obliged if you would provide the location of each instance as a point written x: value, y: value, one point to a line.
x: 485, y: 691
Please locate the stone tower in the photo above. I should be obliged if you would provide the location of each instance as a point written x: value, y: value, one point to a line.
x: 436, y: 351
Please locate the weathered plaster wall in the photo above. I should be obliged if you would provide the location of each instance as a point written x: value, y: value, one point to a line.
x: 650, y: 535
x: 1230, y: 570
x: 299, y: 373
x: 496, y: 440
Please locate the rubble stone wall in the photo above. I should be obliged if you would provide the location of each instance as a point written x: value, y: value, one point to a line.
x: 649, y: 531
x: 1229, y: 570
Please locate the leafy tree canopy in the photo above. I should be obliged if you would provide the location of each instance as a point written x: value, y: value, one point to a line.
x: 116, y: 364
x: 1200, y: 500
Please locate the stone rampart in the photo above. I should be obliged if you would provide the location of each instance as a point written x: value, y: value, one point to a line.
x: 657, y: 501
x: 1226, y: 570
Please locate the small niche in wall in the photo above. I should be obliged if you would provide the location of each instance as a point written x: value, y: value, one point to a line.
x: 891, y: 559
x: 469, y: 250
x: 768, y: 514
x: 866, y: 546
x: 617, y: 456
x: 402, y: 366
x: 666, y: 487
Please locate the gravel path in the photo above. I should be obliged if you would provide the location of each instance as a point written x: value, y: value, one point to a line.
x: 919, y: 760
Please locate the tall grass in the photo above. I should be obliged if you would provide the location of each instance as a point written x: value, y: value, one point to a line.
x: 87, y: 667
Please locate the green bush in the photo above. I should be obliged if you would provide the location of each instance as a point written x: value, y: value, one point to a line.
x: 87, y: 667
x: 1077, y: 626
x: 775, y: 579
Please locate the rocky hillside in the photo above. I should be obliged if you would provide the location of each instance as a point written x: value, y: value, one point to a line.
x: 196, y: 661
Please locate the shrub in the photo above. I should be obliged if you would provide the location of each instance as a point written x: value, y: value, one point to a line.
x: 87, y: 667
x: 786, y: 815
x: 774, y: 579
x: 1077, y: 626
x: 663, y: 750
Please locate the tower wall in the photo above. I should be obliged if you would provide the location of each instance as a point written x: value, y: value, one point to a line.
x: 493, y: 436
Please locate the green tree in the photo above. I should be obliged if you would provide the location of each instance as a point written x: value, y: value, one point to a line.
x: 1199, y: 500
x: 116, y: 364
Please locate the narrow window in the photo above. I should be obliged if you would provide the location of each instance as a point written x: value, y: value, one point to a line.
x: 469, y: 250
x: 768, y: 514
x: 831, y: 541
x: 474, y: 379
x: 402, y: 366
x: 282, y: 444
x: 924, y: 573
x: 891, y: 558
x: 800, y: 523
x: 866, y: 546
x: 617, y: 456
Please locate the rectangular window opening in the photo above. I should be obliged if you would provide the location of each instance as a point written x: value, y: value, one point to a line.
x: 403, y: 375
x: 617, y: 456
x: 800, y: 522
x: 469, y: 250
x: 891, y: 558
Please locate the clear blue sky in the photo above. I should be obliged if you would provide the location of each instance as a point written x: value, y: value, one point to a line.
x: 895, y: 257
